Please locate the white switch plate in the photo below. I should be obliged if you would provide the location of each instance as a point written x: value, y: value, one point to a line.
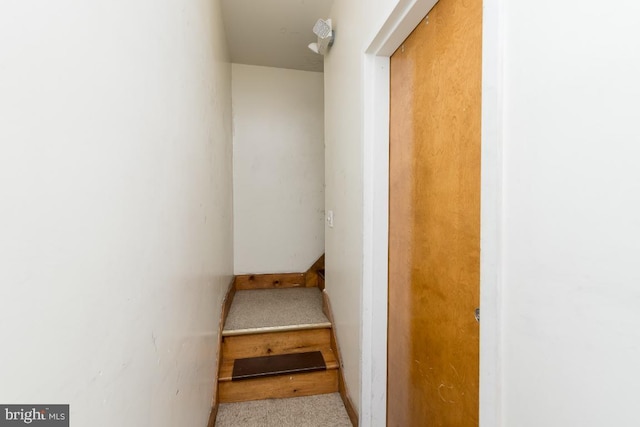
x: 330, y: 218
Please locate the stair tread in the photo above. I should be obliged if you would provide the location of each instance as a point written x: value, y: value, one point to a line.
x: 320, y: 410
x: 268, y: 310
x: 330, y: 362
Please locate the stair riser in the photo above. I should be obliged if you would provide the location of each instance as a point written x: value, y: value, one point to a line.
x: 285, y: 386
x: 242, y: 346
x: 270, y: 281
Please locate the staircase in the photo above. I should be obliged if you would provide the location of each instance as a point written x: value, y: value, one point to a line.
x: 278, y: 343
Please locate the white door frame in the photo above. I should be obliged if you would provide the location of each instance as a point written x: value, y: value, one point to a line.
x: 395, y: 29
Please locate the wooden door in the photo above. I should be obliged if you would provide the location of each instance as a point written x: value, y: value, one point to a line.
x: 434, y: 220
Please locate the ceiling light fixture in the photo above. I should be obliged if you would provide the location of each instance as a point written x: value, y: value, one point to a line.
x: 325, y: 34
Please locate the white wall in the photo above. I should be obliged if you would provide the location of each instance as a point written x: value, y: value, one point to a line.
x: 571, y: 217
x: 355, y: 21
x: 278, y: 169
x: 115, y: 207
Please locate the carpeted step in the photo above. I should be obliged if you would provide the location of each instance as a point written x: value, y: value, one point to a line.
x: 270, y: 310
x: 325, y: 410
x: 277, y: 343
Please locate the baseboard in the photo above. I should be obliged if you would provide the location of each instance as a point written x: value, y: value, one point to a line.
x: 321, y: 279
x: 311, y: 278
x: 346, y: 399
x: 212, y: 417
x: 226, y: 306
x: 342, y: 385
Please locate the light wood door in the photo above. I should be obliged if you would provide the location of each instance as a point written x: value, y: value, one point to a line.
x: 434, y: 220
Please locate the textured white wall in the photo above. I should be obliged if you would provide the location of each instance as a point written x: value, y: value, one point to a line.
x: 115, y: 207
x: 571, y: 224
x: 278, y: 169
x: 355, y: 21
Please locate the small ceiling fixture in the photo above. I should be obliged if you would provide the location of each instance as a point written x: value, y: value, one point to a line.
x: 325, y: 34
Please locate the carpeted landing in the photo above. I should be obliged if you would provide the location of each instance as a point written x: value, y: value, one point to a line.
x: 324, y: 410
x: 275, y: 308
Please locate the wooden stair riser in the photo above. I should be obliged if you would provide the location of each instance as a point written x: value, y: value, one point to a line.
x: 308, y: 279
x: 284, y: 386
x: 269, y: 344
x: 270, y: 281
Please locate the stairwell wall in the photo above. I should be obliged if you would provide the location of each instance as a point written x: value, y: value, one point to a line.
x: 355, y: 22
x: 278, y: 169
x: 116, y: 207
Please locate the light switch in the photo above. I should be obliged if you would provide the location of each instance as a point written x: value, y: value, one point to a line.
x: 330, y: 218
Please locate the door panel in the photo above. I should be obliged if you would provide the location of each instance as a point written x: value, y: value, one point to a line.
x: 434, y: 220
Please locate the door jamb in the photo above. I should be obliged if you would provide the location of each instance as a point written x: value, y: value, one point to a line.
x: 396, y: 27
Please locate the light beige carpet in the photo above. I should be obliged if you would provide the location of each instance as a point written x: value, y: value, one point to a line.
x: 325, y: 410
x: 275, y: 307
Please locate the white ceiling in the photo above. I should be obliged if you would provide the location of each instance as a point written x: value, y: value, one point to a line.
x: 274, y: 33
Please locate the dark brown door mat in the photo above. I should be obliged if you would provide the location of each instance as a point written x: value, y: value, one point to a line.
x: 266, y: 366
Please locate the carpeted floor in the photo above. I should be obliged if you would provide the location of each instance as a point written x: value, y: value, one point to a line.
x: 275, y: 307
x: 325, y: 410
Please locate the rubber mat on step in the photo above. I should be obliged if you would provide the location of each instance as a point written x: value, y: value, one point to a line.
x: 266, y: 366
